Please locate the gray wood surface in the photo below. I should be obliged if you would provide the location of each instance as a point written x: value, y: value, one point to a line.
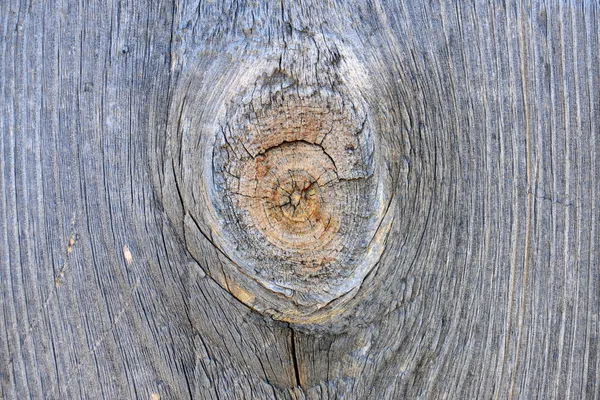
x: 487, y: 117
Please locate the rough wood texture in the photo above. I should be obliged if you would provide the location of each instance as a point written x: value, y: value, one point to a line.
x: 279, y: 167
x: 485, y: 131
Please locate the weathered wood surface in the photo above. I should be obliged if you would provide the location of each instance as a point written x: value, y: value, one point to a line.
x: 489, y: 283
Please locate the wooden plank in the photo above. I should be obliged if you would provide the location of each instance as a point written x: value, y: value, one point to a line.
x: 113, y: 281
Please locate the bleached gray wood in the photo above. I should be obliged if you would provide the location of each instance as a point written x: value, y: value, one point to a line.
x: 489, y: 285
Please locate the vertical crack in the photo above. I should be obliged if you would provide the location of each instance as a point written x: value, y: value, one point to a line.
x: 295, y: 358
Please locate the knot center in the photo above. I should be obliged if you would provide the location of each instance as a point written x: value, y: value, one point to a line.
x: 297, y: 197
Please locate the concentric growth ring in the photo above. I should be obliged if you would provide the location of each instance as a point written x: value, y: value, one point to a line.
x: 297, y: 192
x: 290, y: 198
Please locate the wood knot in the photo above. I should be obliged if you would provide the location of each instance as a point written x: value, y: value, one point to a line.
x: 278, y: 179
x: 296, y: 189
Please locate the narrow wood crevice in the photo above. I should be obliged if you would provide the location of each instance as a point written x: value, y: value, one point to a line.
x: 291, y: 142
x: 294, y: 354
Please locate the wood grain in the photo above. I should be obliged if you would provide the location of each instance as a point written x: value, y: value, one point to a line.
x: 486, y: 123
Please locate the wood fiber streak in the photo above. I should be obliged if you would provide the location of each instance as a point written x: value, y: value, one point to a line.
x: 486, y: 120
